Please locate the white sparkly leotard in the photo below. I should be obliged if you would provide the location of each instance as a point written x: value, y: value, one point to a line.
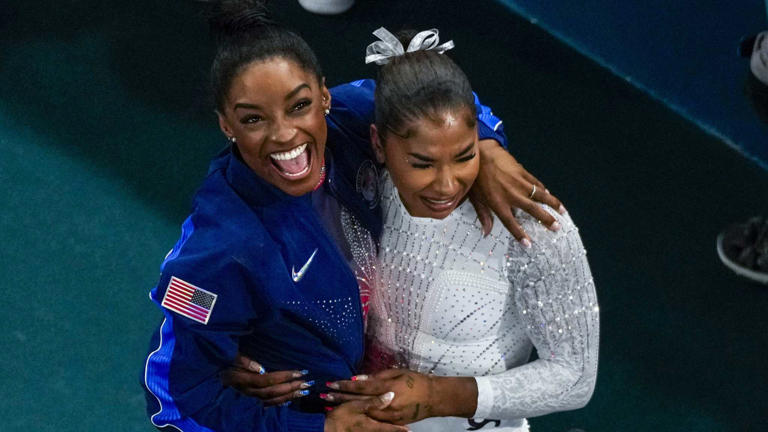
x: 449, y: 301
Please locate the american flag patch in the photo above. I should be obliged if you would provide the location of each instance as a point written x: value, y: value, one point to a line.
x: 186, y: 299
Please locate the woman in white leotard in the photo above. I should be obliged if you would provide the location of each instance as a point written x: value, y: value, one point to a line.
x: 457, y: 312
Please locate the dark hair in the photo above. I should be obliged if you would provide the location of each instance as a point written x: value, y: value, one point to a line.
x: 416, y: 85
x: 244, y: 33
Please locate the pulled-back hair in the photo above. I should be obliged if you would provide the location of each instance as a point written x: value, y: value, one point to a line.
x: 244, y: 33
x: 416, y: 85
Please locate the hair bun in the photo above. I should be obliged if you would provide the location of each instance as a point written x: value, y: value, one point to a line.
x: 234, y: 18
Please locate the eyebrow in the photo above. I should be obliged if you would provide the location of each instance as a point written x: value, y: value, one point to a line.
x: 296, y: 90
x: 429, y: 159
x: 466, y: 149
x: 290, y: 94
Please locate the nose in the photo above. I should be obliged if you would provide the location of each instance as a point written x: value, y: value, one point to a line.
x: 282, y: 131
x: 445, y: 182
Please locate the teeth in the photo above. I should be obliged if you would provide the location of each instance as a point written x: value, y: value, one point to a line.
x: 439, y: 202
x: 302, y: 172
x: 290, y: 154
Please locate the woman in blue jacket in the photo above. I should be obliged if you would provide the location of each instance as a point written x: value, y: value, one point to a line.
x: 271, y: 261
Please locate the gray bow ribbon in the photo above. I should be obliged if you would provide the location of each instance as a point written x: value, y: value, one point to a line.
x: 388, y: 46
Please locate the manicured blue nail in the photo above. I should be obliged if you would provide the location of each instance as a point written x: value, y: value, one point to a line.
x: 304, y: 372
x: 256, y: 367
x: 307, y: 384
x: 303, y: 392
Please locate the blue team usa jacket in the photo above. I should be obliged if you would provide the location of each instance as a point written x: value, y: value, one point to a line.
x: 255, y: 271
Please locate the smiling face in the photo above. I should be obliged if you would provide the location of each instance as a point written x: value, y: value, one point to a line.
x: 275, y: 112
x: 434, y: 166
x: 758, y: 63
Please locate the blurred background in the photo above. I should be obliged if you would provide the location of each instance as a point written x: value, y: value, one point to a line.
x: 634, y: 116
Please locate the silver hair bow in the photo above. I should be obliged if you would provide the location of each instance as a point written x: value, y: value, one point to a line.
x: 382, y: 50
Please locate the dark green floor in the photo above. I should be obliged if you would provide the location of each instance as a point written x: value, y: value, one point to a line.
x: 105, y: 131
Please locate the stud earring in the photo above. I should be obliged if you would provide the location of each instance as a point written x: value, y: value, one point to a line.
x: 232, y: 139
x: 327, y: 110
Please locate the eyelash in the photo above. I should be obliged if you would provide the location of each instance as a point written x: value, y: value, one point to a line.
x: 421, y: 166
x: 426, y: 165
x: 301, y: 105
x: 253, y: 119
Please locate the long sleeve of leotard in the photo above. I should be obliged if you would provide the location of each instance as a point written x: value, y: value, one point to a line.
x: 554, y: 293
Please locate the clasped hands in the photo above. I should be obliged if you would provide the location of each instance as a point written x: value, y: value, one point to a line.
x: 379, y: 402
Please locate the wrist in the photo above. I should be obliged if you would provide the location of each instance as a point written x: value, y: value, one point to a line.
x: 453, y: 396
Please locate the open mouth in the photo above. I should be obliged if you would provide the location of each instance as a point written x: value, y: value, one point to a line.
x: 441, y: 205
x: 293, y: 164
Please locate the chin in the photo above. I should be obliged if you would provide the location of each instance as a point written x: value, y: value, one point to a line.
x: 299, y: 187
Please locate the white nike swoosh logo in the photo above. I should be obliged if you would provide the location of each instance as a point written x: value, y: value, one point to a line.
x: 300, y: 274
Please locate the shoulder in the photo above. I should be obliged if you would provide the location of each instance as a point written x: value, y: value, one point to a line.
x: 353, y: 104
x: 354, y: 90
x: 550, y: 250
x: 222, y: 234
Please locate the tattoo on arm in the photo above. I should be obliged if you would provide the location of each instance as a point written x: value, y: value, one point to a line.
x: 415, y: 413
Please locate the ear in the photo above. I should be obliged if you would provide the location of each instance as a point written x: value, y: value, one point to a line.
x: 224, y: 125
x: 378, y: 148
x: 326, y: 96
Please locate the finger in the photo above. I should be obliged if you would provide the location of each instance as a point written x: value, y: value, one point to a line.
x: 285, y: 399
x: 342, y: 397
x: 246, y: 378
x: 552, y: 202
x: 263, y: 386
x: 541, y: 215
x: 543, y: 195
x: 292, y: 388
x: 363, y: 387
x: 534, y: 181
x: 509, y: 220
x: 483, y: 215
x: 247, y: 363
x: 381, y: 402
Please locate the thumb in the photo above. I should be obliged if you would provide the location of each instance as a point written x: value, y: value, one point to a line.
x: 382, y: 401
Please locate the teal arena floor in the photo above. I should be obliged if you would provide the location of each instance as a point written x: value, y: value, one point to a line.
x: 106, y: 129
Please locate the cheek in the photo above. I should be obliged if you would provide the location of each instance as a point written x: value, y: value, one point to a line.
x: 314, y: 120
x: 469, y: 174
x: 250, y: 143
x: 410, y: 181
